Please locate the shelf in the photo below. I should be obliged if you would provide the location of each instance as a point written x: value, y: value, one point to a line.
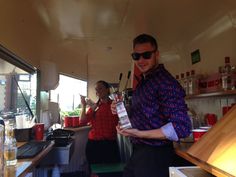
x: 212, y: 94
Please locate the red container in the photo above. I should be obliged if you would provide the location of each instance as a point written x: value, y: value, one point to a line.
x: 75, y: 121
x: 68, y: 122
x: 198, y: 133
x: 225, y: 109
x: 211, y: 119
x: 39, y: 131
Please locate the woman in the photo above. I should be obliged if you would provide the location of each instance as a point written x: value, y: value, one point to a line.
x: 102, y: 146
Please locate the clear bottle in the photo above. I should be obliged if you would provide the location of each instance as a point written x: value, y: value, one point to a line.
x: 2, y: 130
x: 10, y: 146
x: 193, y: 83
x: 186, y: 83
x: 226, y: 75
x: 121, y: 111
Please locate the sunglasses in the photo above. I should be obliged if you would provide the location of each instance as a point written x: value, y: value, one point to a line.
x: 146, y: 55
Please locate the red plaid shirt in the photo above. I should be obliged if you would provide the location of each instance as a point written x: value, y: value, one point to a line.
x: 103, y: 122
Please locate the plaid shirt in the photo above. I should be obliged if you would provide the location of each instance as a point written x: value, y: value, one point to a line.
x: 103, y: 122
x: 158, y: 100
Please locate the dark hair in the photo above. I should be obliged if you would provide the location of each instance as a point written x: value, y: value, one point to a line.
x: 145, y: 38
x: 104, y: 83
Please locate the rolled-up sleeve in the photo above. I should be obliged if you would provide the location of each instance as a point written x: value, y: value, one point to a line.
x: 169, y: 132
x: 175, y: 110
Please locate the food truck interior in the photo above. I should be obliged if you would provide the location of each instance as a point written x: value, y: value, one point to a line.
x: 91, y: 40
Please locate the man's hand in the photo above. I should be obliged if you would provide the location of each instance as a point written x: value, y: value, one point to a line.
x: 129, y: 132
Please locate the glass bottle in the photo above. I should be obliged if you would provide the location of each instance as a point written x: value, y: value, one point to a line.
x: 226, y: 75
x: 186, y: 83
x: 193, y: 83
x: 121, y: 110
x: 10, y: 146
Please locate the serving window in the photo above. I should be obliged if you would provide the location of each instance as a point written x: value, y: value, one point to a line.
x: 18, y: 86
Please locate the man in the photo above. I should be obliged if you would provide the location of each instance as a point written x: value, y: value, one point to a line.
x: 158, y: 114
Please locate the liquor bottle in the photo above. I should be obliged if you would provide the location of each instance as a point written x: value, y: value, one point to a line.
x: 186, y: 83
x: 226, y: 75
x: 121, y: 110
x: 2, y: 130
x: 193, y: 83
x: 10, y: 146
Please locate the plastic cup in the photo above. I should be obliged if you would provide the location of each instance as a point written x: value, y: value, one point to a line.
x: 198, y: 133
x: 19, y: 121
x: 68, y: 122
x: 75, y: 121
x: 39, y: 131
x: 205, y: 127
x: 211, y: 119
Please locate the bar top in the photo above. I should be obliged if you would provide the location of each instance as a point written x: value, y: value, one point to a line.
x: 25, y: 166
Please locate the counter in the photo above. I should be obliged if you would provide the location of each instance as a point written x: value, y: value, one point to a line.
x: 25, y: 166
x: 78, y: 160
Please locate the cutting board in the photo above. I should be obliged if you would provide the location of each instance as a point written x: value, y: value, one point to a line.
x: 218, y: 146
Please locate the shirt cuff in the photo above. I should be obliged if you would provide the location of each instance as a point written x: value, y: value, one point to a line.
x: 169, y: 131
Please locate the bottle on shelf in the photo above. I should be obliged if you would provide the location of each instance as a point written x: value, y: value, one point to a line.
x: 186, y: 83
x: 193, y: 84
x: 10, y: 146
x: 227, y: 81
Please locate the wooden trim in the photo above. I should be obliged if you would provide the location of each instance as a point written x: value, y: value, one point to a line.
x: 181, y: 150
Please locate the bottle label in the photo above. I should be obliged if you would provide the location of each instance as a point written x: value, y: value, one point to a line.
x: 123, y: 116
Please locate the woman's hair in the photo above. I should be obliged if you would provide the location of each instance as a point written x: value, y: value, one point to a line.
x: 104, y: 83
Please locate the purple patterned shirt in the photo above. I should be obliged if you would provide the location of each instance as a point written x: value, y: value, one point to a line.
x: 158, y: 102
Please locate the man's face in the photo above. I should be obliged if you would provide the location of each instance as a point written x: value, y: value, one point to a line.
x: 147, y: 64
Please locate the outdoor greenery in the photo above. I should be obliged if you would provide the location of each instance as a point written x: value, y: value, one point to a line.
x: 75, y: 112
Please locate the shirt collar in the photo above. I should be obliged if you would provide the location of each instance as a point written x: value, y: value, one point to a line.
x: 153, y: 71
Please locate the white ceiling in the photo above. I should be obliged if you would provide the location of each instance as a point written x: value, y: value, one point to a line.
x: 90, y: 29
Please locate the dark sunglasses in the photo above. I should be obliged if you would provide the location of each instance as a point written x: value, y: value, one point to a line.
x: 145, y: 55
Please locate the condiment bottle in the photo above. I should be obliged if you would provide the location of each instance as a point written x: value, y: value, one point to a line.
x: 10, y: 147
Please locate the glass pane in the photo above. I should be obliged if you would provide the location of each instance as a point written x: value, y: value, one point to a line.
x: 68, y: 92
x: 17, y: 91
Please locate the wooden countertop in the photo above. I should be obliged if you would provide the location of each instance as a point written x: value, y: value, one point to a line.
x: 25, y: 166
x: 181, y: 150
